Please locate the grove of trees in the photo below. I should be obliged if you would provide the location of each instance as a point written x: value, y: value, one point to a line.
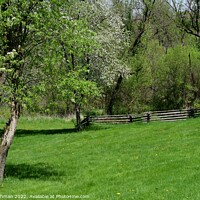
x: 96, y: 56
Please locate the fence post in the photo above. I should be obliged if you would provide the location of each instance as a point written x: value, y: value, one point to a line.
x: 148, y: 117
x: 88, y: 120
x: 191, y: 113
x: 130, y: 119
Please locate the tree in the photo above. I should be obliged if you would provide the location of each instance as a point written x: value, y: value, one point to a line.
x: 106, y: 61
x: 135, y: 15
x: 188, y: 15
x: 23, y: 28
x: 134, y: 94
x: 175, y: 83
x: 163, y: 26
x: 68, y: 60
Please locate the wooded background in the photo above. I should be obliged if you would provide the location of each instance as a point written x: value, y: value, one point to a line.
x: 99, y: 57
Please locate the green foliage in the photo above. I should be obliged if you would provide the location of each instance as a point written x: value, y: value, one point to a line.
x: 67, y: 63
x: 21, y: 33
x: 56, y: 54
x: 4, y: 113
x: 134, y: 96
x: 49, y: 44
x: 177, y: 79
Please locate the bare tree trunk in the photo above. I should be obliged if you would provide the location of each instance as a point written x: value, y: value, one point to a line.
x: 113, y: 96
x: 8, y: 136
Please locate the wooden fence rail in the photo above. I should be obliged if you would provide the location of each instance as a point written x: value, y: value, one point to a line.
x: 167, y: 115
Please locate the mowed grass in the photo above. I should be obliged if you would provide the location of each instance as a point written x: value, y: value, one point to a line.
x: 158, y: 160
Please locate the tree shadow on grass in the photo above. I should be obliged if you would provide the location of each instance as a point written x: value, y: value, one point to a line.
x: 22, y: 132
x: 39, y: 171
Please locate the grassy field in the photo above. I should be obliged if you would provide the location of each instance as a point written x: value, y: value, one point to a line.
x: 158, y: 160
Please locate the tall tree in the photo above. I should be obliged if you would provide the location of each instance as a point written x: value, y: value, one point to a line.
x: 106, y: 61
x: 163, y: 25
x: 23, y: 27
x: 68, y: 57
x: 135, y: 15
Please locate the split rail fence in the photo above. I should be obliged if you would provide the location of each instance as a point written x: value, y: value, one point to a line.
x: 167, y: 115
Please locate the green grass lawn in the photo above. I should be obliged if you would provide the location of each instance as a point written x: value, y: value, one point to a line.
x: 158, y: 160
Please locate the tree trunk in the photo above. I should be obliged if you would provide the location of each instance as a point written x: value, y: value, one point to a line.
x: 8, y: 136
x: 78, y: 117
x: 113, y: 96
x: 192, y: 93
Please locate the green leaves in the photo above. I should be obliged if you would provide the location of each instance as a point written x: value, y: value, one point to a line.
x: 78, y: 89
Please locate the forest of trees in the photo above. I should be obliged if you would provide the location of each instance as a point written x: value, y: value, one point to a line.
x: 96, y: 56
x: 114, y: 57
